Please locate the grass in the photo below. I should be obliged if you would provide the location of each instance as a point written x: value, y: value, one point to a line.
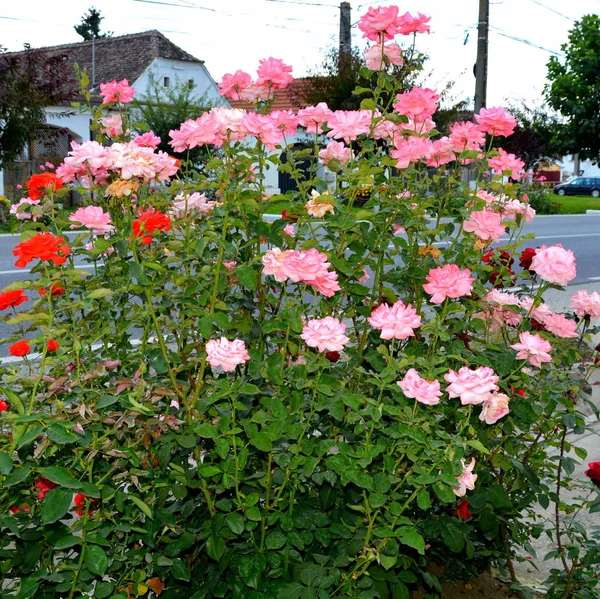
x: 576, y: 204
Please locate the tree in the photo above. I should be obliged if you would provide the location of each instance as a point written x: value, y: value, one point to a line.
x: 162, y: 109
x: 89, y: 27
x: 573, y: 89
x: 29, y: 81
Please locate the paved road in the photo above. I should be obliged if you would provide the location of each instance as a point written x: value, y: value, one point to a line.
x: 580, y: 233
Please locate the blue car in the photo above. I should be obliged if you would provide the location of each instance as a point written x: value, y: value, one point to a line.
x: 581, y: 186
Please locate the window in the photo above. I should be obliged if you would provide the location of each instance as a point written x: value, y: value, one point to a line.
x: 588, y: 182
x: 166, y: 81
x: 577, y: 182
x: 191, y: 83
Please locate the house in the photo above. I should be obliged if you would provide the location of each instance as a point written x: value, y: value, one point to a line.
x: 136, y: 57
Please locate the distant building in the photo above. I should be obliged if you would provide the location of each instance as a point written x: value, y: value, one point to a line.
x: 134, y: 57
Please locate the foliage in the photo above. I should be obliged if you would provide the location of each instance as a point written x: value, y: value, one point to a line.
x: 89, y: 28
x: 162, y: 109
x: 542, y: 200
x: 29, y: 81
x: 572, y: 89
x: 132, y: 465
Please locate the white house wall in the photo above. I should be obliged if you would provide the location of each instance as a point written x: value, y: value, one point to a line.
x: 586, y: 168
x: 182, y: 71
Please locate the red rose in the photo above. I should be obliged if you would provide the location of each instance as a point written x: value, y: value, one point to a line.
x: 495, y: 257
x: 52, y: 346
x: 20, y: 348
x: 15, y: 510
x: 526, y: 257
x: 39, y: 184
x: 148, y: 222
x: 43, y: 485
x: 594, y: 473
x: 333, y: 356
x: 520, y: 392
x: 55, y: 289
x: 285, y: 215
x: 10, y: 299
x: 4, y: 405
x: 462, y: 510
x: 44, y: 246
x: 80, y: 500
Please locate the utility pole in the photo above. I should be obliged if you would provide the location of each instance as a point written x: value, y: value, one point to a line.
x: 345, y: 51
x: 482, y: 55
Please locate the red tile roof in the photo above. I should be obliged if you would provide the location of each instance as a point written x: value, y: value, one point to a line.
x: 289, y: 98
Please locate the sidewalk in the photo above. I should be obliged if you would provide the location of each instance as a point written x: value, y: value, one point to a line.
x: 559, y: 301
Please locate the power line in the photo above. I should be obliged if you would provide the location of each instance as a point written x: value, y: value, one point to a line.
x: 552, y: 10
x: 524, y: 41
x: 303, y: 3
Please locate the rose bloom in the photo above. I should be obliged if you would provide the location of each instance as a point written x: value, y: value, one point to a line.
x: 594, y: 473
x: 496, y: 121
x: 585, y: 304
x: 274, y: 72
x: 52, y: 346
x: 226, y: 354
x: 418, y: 102
x: 462, y: 510
x: 43, y: 485
x: 326, y: 334
x: 554, y: 264
x: 448, y: 281
x: 415, y: 387
x: 507, y: 162
x: 494, y: 408
x: 472, y: 386
x: 20, y: 348
x: 116, y: 92
x: 395, y: 322
x: 273, y: 263
x: 559, y: 325
x: 335, y: 150
x: 304, y: 265
x: 10, y: 299
x: 3, y: 405
x: 486, y: 225
x: 289, y: 230
x: 92, y: 218
x: 55, y: 289
x: 326, y: 283
x: 379, y: 24
x: 38, y: 185
x: 319, y: 208
x: 411, y: 149
x: 112, y: 125
x: 80, y: 500
x: 377, y: 57
x: 408, y: 24
x: 313, y: 117
x: 231, y: 85
x: 148, y: 222
x: 526, y: 257
x: 147, y: 140
x: 532, y: 348
x: 349, y: 124
x: 466, y: 480
x: 43, y: 246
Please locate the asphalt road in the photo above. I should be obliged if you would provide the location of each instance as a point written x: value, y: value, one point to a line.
x: 578, y: 232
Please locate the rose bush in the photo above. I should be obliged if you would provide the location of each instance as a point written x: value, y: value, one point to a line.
x: 227, y: 405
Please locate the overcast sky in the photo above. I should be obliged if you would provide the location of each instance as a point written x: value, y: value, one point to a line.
x: 234, y: 34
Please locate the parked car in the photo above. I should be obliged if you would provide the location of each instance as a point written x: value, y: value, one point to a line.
x: 580, y: 186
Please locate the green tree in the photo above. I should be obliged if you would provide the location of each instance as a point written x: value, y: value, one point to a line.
x: 162, y: 109
x: 29, y: 81
x: 573, y: 89
x: 90, y: 25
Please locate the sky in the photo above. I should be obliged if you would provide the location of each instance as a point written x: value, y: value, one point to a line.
x: 234, y: 34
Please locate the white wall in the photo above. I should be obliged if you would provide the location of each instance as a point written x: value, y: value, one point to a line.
x: 586, y: 168
x: 184, y: 71
x: 68, y: 118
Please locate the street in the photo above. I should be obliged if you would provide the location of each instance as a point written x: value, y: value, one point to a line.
x: 579, y: 232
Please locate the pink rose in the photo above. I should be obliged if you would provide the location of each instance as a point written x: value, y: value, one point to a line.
x: 417, y: 102
x: 231, y: 85
x: 554, y: 264
x: 378, y: 56
x: 93, y: 218
x: 448, y: 281
x: 305, y: 265
x: 395, y: 322
x: 116, y: 92
x: 496, y: 121
x: 494, y: 408
x: 379, y: 24
x: 486, y: 225
x: 472, y: 386
x: 147, y: 140
x: 289, y: 230
x: 313, y: 117
x: 466, y: 480
x: 507, y: 162
x: 585, y: 304
x: 408, y: 24
x: 559, y: 325
x: 226, y: 354
x: 326, y: 334
x: 273, y: 263
x: 533, y: 348
x: 411, y: 149
x: 466, y: 136
x: 326, y: 283
x: 415, y: 387
x: 112, y: 125
x: 335, y: 150
x: 274, y: 72
x: 349, y: 124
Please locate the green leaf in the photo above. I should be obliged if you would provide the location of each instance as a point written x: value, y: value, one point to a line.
x: 235, y: 522
x: 290, y: 590
x: 275, y: 540
x: 13, y: 399
x: 66, y: 541
x: 60, y: 476
x: 136, y: 271
x: 99, y: 293
x: 55, y: 505
x: 408, y: 535
x: 105, y: 401
x: 362, y: 479
x: 246, y: 276
x: 179, y: 571
x: 274, y: 368
x: 479, y: 446
x: 208, y: 431
x: 215, y: 547
x: 28, y: 588
x: 29, y: 434
x: 18, y: 475
x: 262, y: 442
x: 60, y: 434
x: 95, y: 559
x: 6, y: 464
x: 143, y: 506
x: 423, y: 499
